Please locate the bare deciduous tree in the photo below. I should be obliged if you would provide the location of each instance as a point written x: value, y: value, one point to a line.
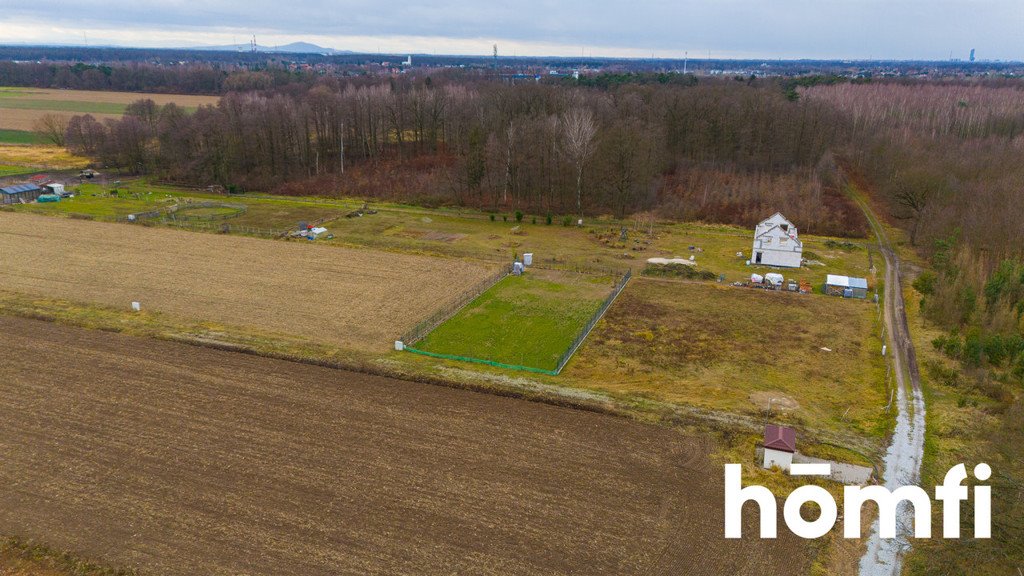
x: 915, y: 192
x: 52, y: 127
x: 578, y: 131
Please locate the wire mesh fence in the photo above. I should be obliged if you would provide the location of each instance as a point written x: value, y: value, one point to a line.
x: 181, y: 212
x: 434, y: 320
x: 577, y: 268
x: 619, y: 286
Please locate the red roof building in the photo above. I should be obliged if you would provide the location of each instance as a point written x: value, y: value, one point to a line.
x: 780, y: 438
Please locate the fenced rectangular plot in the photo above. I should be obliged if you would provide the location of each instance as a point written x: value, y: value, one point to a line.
x: 526, y: 321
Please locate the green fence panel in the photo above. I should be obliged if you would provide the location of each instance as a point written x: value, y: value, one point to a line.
x: 481, y: 361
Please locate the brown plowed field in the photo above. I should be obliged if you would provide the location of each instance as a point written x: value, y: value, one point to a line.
x: 182, y: 460
x: 358, y: 298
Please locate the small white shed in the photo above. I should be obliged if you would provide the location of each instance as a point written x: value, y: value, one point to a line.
x: 779, y: 446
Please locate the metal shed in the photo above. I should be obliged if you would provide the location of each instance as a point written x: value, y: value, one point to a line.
x: 19, y: 193
x: 846, y: 286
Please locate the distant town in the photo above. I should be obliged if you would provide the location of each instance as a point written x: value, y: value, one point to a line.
x: 310, y: 58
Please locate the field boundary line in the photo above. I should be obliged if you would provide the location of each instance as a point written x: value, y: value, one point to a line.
x: 426, y: 326
x: 619, y: 287
x: 481, y: 361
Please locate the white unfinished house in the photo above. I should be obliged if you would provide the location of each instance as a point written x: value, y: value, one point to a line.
x: 776, y: 243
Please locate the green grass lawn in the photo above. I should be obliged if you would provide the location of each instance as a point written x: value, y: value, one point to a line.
x: 138, y: 195
x: 93, y: 200
x: 20, y: 137
x: 218, y: 213
x: 6, y: 170
x: 528, y: 320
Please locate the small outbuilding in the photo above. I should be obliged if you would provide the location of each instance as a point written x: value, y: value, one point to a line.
x: 779, y: 446
x: 846, y: 286
x: 20, y: 193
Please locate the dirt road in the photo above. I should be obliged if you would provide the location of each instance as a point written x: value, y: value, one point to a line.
x: 906, y: 447
x: 183, y: 460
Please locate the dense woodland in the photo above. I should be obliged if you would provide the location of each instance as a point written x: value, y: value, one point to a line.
x: 722, y: 151
x: 946, y: 161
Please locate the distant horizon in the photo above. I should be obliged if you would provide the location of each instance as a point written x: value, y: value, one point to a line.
x: 855, y: 30
x: 328, y: 50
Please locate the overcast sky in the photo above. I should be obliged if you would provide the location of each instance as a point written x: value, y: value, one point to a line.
x: 855, y: 29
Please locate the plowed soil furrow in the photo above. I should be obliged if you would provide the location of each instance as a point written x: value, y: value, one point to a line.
x: 182, y: 460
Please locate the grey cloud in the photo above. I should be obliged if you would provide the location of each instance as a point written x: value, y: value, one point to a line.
x: 810, y: 28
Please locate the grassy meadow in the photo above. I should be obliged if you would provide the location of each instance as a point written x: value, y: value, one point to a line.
x: 25, y: 137
x: 8, y: 170
x: 135, y: 196
x: 700, y: 344
x: 814, y: 359
x: 466, y: 233
x: 20, y: 108
x: 528, y: 320
x: 37, y: 157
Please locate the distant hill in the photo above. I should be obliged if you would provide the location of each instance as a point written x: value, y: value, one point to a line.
x: 293, y: 48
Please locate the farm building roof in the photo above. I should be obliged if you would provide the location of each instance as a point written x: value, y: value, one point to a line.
x: 846, y: 281
x: 19, y: 188
x: 780, y: 438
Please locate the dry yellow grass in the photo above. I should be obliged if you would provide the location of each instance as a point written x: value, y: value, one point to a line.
x: 26, y: 119
x: 730, y: 349
x: 42, y: 157
x: 356, y: 298
x: 188, y: 100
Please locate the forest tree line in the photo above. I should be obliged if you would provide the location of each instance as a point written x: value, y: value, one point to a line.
x: 946, y: 159
x: 725, y: 150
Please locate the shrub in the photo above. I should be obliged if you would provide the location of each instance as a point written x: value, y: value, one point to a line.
x: 973, y: 349
x: 492, y: 217
x: 549, y: 219
x: 519, y: 216
x: 995, y: 349
x: 678, y: 271
x: 925, y: 283
x: 840, y: 245
x: 567, y: 221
